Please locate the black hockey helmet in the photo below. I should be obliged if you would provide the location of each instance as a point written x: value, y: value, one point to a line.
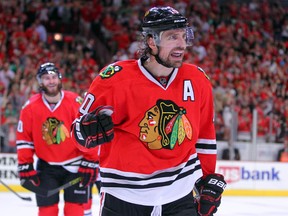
x: 159, y: 19
x: 163, y: 18
x: 47, y: 68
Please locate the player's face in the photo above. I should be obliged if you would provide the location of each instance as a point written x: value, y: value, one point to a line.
x: 172, y: 47
x: 51, y: 84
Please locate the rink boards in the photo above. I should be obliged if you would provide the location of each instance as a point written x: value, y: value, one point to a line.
x: 247, y: 178
x: 244, y: 178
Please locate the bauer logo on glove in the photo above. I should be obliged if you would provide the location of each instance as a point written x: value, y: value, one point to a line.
x: 88, y: 172
x: 210, y: 190
x: 95, y: 128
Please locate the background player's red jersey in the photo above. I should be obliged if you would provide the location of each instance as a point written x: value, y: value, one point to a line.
x: 52, y: 141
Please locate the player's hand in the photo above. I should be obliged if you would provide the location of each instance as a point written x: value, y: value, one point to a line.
x: 210, y: 191
x: 94, y: 128
x: 26, y: 172
x: 88, y: 171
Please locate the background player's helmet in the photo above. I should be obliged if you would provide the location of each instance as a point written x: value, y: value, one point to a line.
x: 47, y: 68
x: 159, y: 19
x: 163, y: 18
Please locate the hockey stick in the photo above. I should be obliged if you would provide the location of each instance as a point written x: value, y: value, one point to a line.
x: 44, y: 192
x: 9, y: 188
x: 197, y: 194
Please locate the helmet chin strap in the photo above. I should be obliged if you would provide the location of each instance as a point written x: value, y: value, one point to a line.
x: 157, y: 37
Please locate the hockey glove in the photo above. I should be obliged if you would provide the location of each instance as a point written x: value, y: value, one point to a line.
x: 88, y: 171
x: 27, y: 173
x: 94, y: 129
x: 210, y: 190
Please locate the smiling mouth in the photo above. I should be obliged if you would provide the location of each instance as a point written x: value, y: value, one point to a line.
x: 177, y: 54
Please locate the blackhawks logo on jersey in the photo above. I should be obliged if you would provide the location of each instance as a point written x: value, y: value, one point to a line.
x: 164, y: 125
x: 109, y: 71
x: 54, y: 131
x: 79, y: 100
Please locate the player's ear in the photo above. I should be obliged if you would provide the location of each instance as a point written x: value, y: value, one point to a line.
x: 151, y: 43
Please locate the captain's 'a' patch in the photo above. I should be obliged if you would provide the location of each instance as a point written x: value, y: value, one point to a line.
x: 110, y: 71
x: 200, y: 69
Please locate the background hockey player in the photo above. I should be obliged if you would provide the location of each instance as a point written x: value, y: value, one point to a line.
x: 153, y: 121
x: 43, y: 130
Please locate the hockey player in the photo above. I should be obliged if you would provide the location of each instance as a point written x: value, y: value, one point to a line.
x: 43, y: 130
x: 282, y: 154
x: 152, y: 119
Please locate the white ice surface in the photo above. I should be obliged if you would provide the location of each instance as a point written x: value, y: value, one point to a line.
x: 12, y: 205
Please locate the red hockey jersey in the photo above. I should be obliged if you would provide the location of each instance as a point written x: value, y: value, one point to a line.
x: 46, y: 133
x: 164, y: 137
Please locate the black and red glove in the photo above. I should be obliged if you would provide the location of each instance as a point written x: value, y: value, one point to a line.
x: 88, y: 170
x: 94, y: 128
x: 210, y: 191
x: 27, y: 173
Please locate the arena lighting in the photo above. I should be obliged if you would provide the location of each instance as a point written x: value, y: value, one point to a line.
x: 58, y: 37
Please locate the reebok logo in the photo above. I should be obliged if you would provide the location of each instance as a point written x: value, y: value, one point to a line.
x: 79, y: 191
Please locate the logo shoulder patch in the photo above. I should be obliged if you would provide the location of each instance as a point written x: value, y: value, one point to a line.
x: 79, y: 99
x: 110, y: 71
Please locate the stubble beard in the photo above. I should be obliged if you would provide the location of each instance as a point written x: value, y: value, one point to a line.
x: 170, y: 63
x: 54, y: 92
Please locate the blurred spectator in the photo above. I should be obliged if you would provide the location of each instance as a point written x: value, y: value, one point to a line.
x: 2, y: 141
x: 134, y: 45
x: 282, y: 155
x: 120, y: 55
x: 9, y: 121
x: 89, y: 13
x: 244, y: 124
x: 262, y: 126
x: 242, y: 46
x: 89, y: 65
x: 199, y: 50
x: 3, y: 36
x: 2, y: 91
x: 284, y: 32
x: 41, y: 30
x: 234, y: 156
x: 6, y: 75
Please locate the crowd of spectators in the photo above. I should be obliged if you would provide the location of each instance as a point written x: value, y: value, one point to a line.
x: 242, y: 46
